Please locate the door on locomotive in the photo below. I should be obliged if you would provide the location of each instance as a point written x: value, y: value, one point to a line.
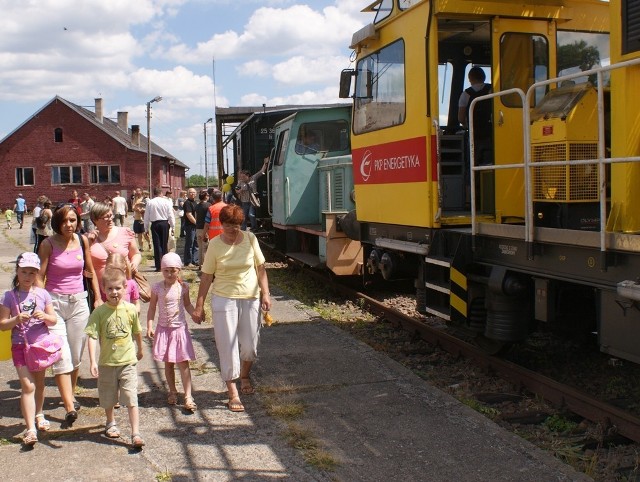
x: 514, y: 54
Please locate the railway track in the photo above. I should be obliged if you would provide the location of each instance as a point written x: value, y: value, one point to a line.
x: 556, y: 393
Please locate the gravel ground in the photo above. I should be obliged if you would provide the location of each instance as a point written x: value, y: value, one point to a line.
x: 590, y: 448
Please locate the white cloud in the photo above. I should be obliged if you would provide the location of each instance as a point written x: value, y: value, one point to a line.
x: 303, y: 70
x: 328, y: 95
x: 254, y: 68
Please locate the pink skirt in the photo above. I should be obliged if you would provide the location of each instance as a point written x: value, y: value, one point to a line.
x: 173, y: 345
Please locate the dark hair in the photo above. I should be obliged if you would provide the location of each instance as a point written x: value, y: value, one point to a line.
x: 60, y: 214
x: 231, y: 214
x: 476, y: 73
x: 203, y: 195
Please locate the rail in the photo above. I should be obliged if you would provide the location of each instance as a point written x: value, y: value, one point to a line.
x: 600, y: 161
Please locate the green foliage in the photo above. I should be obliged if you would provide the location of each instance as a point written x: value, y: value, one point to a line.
x: 197, y: 180
x: 558, y: 423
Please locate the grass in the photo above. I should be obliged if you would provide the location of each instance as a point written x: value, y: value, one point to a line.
x: 489, y: 412
x: 164, y: 476
x: 280, y: 403
x: 559, y: 424
x: 303, y: 441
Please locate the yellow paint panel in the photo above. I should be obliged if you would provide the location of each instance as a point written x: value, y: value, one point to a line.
x: 399, y: 203
x: 458, y: 304
x: 458, y: 278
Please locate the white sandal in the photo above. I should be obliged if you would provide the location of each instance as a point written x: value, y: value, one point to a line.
x: 42, y: 423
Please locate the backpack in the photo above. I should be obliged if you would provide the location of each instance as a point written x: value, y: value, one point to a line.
x: 42, y: 220
x: 481, y: 113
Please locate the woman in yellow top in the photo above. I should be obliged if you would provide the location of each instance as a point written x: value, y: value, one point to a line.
x: 235, y: 265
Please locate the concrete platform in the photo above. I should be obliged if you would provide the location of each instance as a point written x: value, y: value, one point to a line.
x: 377, y: 419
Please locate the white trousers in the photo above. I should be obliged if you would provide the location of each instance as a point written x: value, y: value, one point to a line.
x: 236, y: 326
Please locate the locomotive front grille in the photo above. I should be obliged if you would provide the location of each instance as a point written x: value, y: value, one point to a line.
x: 565, y: 183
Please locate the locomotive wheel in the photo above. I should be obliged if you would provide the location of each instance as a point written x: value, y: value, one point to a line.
x: 492, y: 347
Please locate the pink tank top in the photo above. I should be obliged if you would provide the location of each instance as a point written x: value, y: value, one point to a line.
x: 64, y: 271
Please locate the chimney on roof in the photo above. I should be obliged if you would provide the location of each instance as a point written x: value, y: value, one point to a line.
x: 135, y: 135
x: 123, y: 120
x: 99, y: 110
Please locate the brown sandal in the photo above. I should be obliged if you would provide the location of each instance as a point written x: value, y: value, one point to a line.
x: 136, y: 441
x: 172, y: 398
x: 190, y: 404
x: 30, y: 438
x: 235, y: 405
x: 245, y: 386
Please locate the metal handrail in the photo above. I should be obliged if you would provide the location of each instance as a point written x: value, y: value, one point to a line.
x: 601, y: 161
x: 494, y: 167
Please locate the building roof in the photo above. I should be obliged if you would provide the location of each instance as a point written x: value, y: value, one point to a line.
x: 110, y: 127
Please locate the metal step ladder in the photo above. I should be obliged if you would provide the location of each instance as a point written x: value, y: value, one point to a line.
x: 438, y: 286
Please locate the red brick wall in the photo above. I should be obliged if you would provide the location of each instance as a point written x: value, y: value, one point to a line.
x: 84, y: 144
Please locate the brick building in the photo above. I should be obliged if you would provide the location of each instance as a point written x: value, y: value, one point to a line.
x: 65, y: 147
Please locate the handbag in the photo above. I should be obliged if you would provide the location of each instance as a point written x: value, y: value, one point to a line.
x: 86, y: 281
x: 143, y: 286
x: 254, y: 199
x: 42, y: 353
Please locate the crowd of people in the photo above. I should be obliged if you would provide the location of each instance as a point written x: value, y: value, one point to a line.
x: 85, y: 266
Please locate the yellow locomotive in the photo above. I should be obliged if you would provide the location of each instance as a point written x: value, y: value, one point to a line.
x: 537, y: 219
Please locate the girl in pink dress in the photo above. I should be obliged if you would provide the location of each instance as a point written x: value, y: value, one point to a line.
x: 171, y: 338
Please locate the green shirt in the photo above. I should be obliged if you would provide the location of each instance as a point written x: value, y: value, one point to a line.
x: 113, y: 327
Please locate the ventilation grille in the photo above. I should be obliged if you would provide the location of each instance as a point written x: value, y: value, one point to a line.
x: 565, y: 183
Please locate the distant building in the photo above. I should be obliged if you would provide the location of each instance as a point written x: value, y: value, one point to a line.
x: 65, y: 147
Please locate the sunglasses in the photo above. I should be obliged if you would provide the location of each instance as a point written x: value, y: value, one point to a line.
x: 62, y: 205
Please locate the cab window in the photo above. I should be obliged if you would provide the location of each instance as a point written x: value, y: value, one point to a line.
x: 525, y: 60
x: 380, y: 89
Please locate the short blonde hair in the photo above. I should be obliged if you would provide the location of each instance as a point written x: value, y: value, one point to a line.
x: 113, y: 275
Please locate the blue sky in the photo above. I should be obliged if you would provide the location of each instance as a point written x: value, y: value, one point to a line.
x: 127, y: 53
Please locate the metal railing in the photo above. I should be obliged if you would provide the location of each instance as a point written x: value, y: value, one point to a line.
x: 528, y: 165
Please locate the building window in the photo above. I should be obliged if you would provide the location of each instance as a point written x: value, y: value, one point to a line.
x: 105, y: 174
x: 24, y: 176
x: 57, y: 135
x: 66, y: 175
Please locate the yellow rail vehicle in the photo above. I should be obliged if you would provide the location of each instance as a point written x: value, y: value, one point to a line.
x: 529, y: 214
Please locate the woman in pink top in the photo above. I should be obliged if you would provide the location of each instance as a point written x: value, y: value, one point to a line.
x: 110, y: 238
x: 64, y: 258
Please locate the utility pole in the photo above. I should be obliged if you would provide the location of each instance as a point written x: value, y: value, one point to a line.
x: 206, y: 162
x: 149, y: 164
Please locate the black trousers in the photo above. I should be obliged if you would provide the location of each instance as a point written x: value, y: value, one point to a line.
x: 160, y: 236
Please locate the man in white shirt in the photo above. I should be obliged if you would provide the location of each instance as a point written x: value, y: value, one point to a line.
x: 119, y: 209
x: 85, y: 206
x: 159, y: 216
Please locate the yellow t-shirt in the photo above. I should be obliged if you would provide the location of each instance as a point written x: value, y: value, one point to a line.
x: 234, y: 267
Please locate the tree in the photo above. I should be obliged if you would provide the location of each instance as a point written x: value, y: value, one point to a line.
x: 197, y: 180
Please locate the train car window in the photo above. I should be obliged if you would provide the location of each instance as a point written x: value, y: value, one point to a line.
x: 580, y: 51
x: 630, y: 26
x: 380, y: 89
x: 445, y: 74
x: 383, y: 10
x: 327, y: 136
x: 405, y: 4
x: 525, y: 60
x: 281, y: 149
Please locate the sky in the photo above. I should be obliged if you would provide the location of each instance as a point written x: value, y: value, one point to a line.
x: 269, y: 52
